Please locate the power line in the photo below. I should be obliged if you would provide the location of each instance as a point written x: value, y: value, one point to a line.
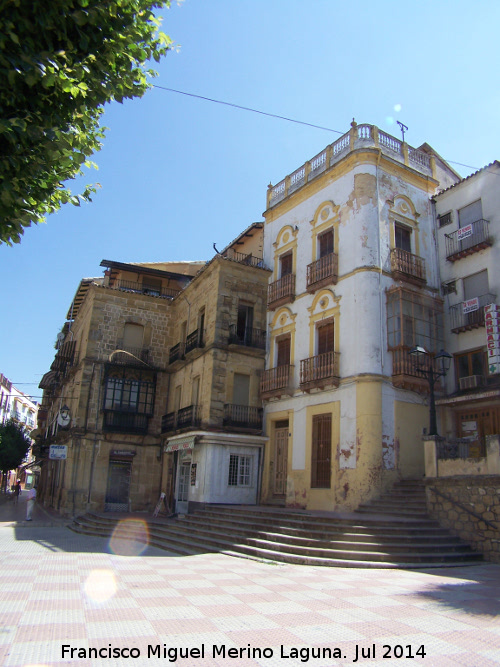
x: 290, y: 120
x: 238, y: 106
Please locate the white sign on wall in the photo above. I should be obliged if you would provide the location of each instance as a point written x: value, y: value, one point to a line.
x: 58, y: 452
x: 470, y: 305
x: 464, y: 232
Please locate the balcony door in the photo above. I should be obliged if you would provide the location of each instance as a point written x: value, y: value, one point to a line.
x: 468, y: 215
x: 280, y: 458
x: 283, y: 351
x: 244, y: 323
x: 181, y: 505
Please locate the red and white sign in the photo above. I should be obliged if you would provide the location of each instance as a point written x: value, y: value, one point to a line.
x: 470, y: 305
x: 492, y: 321
x: 464, y: 232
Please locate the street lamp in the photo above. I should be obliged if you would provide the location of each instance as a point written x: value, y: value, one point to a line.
x: 432, y: 368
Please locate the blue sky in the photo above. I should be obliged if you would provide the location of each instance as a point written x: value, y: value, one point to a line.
x: 178, y: 174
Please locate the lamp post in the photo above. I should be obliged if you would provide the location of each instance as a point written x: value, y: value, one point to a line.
x: 432, y: 368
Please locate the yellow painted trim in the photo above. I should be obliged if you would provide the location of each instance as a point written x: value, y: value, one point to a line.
x: 277, y: 331
x: 329, y: 213
x: 408, y: 218
x: 315, y: 318
x: 362, y: 156
x: 289, y: 246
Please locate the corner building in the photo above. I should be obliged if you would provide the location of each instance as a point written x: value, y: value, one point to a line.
x: 355, y: 285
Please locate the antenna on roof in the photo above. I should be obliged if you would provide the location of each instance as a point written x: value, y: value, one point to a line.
x: 403, y: 127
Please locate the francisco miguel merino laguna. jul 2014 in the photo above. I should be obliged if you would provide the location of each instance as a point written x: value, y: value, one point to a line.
x: 304, y: 654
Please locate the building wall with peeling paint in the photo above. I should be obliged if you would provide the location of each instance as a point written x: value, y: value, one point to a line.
x: 376, y: 426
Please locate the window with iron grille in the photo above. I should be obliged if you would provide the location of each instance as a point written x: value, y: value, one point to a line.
x: 240, y: 468
x: 321, y: 451
x: 128, y: 390
x: 444, y: 219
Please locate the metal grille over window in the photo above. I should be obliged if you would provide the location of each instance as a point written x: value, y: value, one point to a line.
x: 239, y: 470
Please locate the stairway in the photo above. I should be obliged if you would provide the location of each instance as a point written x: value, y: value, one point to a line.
x: 405, y: 500
x: 301, y: 537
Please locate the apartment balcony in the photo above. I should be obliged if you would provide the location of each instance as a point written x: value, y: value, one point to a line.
x: 469, y: 314
x: 194, y: 341
x: 183, y: 419
x: 176, y: 353
x: 320, y: 371
x: 407, y: 267
x: 404, y: 375
x: 322, y: 272
x: 280, y: 292
x: 468, y: 240
x: 143, y: 288
x: 244, y: 258
x: 125, y: 422
x: 248, y: 337
x: 130, y: 356
x: 277, y: 382
x: 242, y: 417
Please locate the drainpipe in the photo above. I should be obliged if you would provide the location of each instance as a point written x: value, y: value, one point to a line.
x: 94, y: 446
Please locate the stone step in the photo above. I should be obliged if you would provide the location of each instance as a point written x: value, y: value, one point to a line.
x: 186, y: 537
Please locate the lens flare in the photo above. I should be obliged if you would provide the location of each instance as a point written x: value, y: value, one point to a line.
x: 130, y: 538
x: 389, y: 120
x: 397, y: 107
x: 100, y: 585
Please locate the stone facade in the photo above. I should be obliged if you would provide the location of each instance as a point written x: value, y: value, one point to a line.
x: 470, y: 508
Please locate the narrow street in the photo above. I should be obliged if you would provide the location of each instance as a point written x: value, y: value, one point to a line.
x: 65, y: 595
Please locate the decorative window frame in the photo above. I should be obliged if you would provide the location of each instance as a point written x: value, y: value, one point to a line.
x: 282, y: 324
x: 324, y: 308
x: 327, y: 216
x: 402, y: 212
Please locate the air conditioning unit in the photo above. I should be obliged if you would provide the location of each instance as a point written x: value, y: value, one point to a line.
x: 471, y: 382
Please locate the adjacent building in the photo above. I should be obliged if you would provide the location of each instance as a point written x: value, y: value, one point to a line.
x: 468, y: 222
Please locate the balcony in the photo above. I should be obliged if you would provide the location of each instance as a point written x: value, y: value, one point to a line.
x: 248, y: 337
x: 140, y: 288
x: 176, y: 353
x: 468, y: 240
x: 130, y: 356
x: 404, y: 375
x: 320, y: 371
x: 194, y: 341
x: 244, y: 258
x: 125, y: 422
x: 407, y: 267
x: 242, y: 417
x: 469, y: 314
x: 185, y: 418
x: 280, y: 292
x: 322, y: 272
x: 277, y: 382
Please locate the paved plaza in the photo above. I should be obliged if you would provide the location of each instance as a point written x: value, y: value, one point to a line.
x: 66, y: 598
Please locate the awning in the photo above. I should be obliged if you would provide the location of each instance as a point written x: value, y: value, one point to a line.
x: 48, y: 380
x: 178, y: 444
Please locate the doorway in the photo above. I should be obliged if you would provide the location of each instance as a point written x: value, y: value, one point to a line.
x: 183, y: 487
x: 118, y: 486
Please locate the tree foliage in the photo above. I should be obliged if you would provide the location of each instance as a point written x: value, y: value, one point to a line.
x: 60, y: 62
x: 14, y: 445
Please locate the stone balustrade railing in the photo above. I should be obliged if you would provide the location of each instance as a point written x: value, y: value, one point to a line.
x: 359, y: 136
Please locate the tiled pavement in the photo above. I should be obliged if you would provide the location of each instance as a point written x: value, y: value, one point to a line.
x: 59, y: 589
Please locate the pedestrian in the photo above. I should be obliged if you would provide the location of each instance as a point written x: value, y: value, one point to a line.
x: 17, y: 491
x: 31, y: 503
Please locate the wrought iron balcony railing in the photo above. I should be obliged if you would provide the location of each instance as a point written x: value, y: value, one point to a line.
x: 320, y: 370
x: 461, y: 448
x: 323, y: 271
x: 470, y: 314
x: 244, y: 258
x: 176, y: 353
x: 130, y: 356
x: 467, y: 240
x: 184, y: 418
x: 247, y: 336
x: 242, y: 416
x: 281, y: 291
x: 125, y: 422
x: 194, y: 340
x: 407, y: 266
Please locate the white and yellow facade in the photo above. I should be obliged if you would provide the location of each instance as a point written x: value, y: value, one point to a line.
x: 355, y: 285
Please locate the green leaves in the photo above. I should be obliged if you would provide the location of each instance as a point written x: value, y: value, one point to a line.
x: 62, y: 61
